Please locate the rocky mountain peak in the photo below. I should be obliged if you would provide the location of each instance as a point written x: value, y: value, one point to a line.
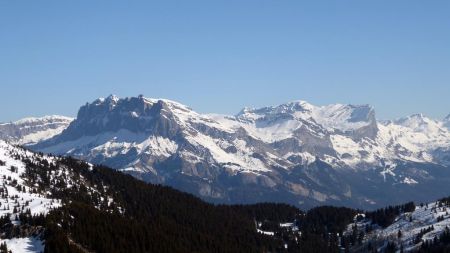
x: 283, y: 109
x: 357, y: 121
x: 134, y: 114
x: 362, y: 113
x: 295, y: 147
x: 419, y: 123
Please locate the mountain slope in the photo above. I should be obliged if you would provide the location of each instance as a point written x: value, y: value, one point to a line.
x: 298, y: 153
x: 32, y: 130
x: 72, y: 206
x: 29, y: 193
x: 409, y: 228
x: 59, y: 204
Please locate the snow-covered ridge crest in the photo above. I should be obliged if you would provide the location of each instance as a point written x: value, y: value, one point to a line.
x: 32, y: 130
x: 419, y: 133
x: 163, y: 141
x: 335, y: 117
x: 49, y: 118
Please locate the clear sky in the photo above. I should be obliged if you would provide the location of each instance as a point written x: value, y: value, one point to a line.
x: 219, y: 56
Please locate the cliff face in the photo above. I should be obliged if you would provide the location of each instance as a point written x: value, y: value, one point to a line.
x: 295, y: 152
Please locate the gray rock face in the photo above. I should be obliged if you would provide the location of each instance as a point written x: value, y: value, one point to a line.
x: 442, y: 155
x: 364, y: 114
x: 447, y: 122
x: 112, y: 114
x: 33, y: 130
x: 296, y: 152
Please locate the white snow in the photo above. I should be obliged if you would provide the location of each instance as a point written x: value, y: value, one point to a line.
x: 306, y: 157
x: 15, y: 199
x: 43, y: 120
x: 265, y: 232
x: 24, y: 245
x: 331, y: 117
x: 242, y: 159
x: 337, y: 116
x: 408, y: 180
x: 410, y: 225
x: 41, y: 135
x: 407, y: 139
x: 422, y: 218
x: 413, y: 138
x: 159, y: 146
x: 32, y: 130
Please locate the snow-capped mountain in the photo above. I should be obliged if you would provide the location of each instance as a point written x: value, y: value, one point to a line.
x: 295, y: 152
x: 60, y: 204
x: 56, y: 204
x: 32, y: 130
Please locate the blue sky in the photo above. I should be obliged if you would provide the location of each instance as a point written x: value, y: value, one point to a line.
x: 219, y: 56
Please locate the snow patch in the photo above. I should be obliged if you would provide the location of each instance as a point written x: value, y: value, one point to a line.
x: 24, y: 245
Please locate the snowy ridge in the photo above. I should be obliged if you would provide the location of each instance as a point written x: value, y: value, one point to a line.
x: 17, y: 196
x: 14, y: 200
x: 33, y: 130
x: 413, y: 138
x: 264, y: 147
x: 29, y: 183
x: 42, y: 120
x: 423, y: 224
x: 331, y: 117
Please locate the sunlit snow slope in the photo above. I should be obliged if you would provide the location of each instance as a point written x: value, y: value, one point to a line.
x: 299, y: 152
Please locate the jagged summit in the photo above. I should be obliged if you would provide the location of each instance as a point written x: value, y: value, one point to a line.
x: 299, y: 150
x: 134, y: 114
x: 420, y: 123
x: 417, y: 118
x: 356, y: 120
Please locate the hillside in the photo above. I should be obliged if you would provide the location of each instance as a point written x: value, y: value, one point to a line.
x: 58, y: 204
x: 76, y: 207
x: 295, y: 153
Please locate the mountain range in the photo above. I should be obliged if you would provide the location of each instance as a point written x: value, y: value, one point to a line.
x: 60, y: 204
x: 295, y: 153
x: 33, y: 130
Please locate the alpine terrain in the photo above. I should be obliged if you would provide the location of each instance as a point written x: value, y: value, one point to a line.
x: 60, y: 204
x: 294, y: 153
x: 57, y: 204
x: 32, y: 130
